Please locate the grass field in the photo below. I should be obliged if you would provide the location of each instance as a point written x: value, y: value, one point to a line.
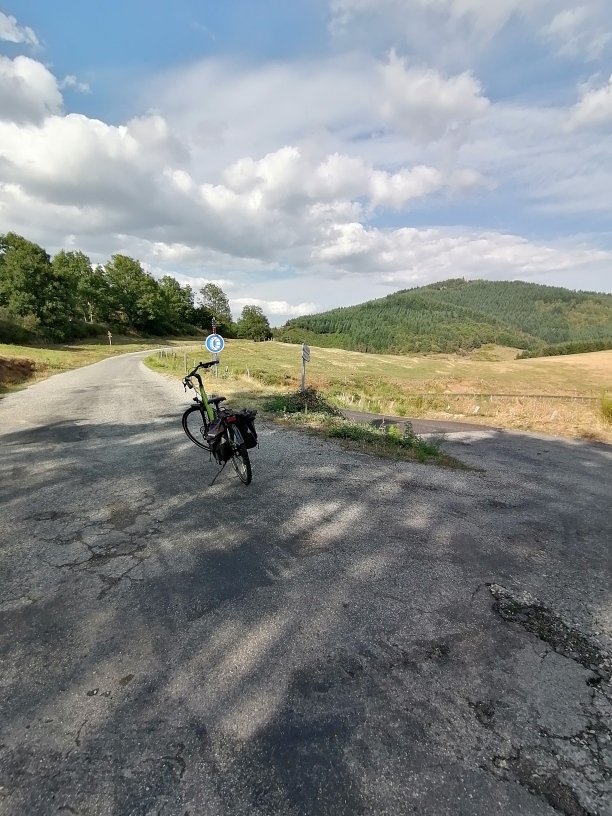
x: 556, y: 395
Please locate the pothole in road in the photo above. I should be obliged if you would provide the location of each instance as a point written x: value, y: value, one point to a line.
x: 558, y: 795
x: 123, y: 515
x: 569, y: 771
x: 549, y: 627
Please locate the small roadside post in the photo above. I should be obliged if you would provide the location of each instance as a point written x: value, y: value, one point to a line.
x: 305, y: 359
x: 110, y: 338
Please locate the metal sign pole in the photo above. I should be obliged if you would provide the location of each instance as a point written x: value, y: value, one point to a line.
x: 305, y: 359
x: 216, y: 356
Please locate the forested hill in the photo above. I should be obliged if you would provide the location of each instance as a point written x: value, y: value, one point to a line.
x: 462, y: 315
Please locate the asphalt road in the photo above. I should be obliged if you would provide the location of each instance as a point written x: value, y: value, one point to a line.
x: 344, y: 636
x: 419, y: 426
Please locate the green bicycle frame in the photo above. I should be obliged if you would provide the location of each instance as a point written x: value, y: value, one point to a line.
x: 205, y: 402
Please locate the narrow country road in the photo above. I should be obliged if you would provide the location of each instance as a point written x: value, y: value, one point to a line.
x: 344, y: 636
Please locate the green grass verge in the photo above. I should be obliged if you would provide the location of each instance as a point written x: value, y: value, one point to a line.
x: 309, y: 411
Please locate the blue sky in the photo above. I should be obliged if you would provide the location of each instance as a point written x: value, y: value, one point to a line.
x: 315, y: 153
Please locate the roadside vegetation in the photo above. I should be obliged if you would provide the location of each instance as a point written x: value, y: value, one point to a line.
x: 556, y: 396
x: 310, y: 411
x: 45, y: 301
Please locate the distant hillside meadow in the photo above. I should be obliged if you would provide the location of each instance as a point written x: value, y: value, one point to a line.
x: 459, y: 315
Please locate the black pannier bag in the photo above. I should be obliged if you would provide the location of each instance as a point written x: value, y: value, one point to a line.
x: 215, y: 428
x: 245, y: 420
x: 221, y: 449
x: 215, y: 436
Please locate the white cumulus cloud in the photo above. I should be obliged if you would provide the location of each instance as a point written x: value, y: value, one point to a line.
x: 28, y: 91
x: 414, y: 256
x: 291, y: 179
x: 274, y: 202
x: 594, y: 108
x: 275, y: 307
x: 10, y: 31
x: 71, y: 81
x: 425, y: 105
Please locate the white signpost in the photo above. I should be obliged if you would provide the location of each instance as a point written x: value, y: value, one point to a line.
x: 305, y: 359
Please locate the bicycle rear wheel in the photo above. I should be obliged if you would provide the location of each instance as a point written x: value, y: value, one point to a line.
x: 242, y: 465
x: 240, y: 459
x: 195, y: 423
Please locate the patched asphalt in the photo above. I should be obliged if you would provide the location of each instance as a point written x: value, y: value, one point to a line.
x: 418, y: 424
x: 346, y: 635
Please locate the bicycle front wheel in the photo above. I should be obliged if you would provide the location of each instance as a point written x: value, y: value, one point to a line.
x: 195, y: 424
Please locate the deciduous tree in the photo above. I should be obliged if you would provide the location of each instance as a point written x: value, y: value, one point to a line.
x: 31, y: 287
x: 253, y: 324
x: 215, y: 301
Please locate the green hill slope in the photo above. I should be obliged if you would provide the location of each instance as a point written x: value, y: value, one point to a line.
x: 462, y: 315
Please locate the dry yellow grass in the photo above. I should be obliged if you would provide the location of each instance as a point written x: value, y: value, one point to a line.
x: 393, y: 385
x: 573, y: 419
x: 575, y: 375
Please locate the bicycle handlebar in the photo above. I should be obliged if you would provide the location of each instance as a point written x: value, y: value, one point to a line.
x: 202, y: 365
x: 195, y: 374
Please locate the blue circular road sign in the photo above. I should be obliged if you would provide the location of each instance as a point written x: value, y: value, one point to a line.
x: 214, y: 343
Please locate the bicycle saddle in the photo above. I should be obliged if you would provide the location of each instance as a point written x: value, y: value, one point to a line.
x: 214, y: 400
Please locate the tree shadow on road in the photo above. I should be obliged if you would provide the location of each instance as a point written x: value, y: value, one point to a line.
x: 319, y: 642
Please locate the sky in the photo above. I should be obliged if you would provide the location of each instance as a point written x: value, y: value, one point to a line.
x: 317, y: 153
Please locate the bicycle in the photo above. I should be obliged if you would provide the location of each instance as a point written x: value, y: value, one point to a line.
x: 226, y: 434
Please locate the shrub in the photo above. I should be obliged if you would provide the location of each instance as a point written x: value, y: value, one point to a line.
x: 351, y: 430
x: 299, y: 401
x: 11, y: 332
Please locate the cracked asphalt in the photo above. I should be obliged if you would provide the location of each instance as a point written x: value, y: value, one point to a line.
x: 346, y: 635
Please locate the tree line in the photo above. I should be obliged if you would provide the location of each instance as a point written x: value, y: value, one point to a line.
x: 67, y: 297
x: 459, y: 316
x: 577, y: 347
